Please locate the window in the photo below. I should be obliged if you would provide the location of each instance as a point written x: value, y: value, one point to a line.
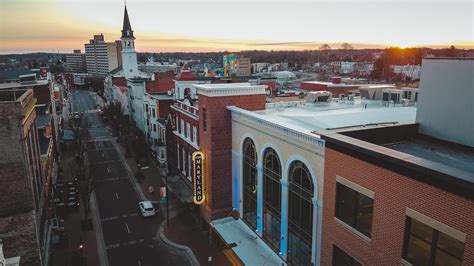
x: 154, y: 127
x: 249, y: 177
x: 341, y: 258
x: 354, y: 208
x: 146, y: 108
x: 188, y: 129
x: 153, y: 112
x: 184, y: 162
x: 194, y: 134
x: 300, y: 214
x: 181, y: 128
x: 177, y: 124
x: 178, y: 155
x: 204, y: 122
x: 189, y: 166
x: 147, y: 122
x: 271, y: 199
x: 425, y: 245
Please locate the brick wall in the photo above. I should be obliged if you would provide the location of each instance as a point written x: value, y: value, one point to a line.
x: 19, y: 237
x: 163, y: 108
x: 393, y: 194
x: 216, y: 143
x: 17, y: 221
x: 163, y: 82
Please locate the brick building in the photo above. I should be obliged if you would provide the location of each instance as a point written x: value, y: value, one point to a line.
x: 405, y: 193
x: 215, y: 136
x: 23, y: 190
x: 412, y: 205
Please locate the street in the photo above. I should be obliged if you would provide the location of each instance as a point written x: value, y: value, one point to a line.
x: 128, y: 238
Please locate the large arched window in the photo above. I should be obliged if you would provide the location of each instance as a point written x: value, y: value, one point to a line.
x: 249, y: 171
x: 271, y: 198
x: 300, y: 214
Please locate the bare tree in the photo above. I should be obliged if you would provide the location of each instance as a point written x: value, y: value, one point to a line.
x: 325, y: 47
x: 80, y: 129
x: 347, y: 46
x: 87, y: 180
x: 115, y: 113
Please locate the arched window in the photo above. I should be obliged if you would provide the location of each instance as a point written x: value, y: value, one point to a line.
x: 300, y: 214
x: 249, y: 172
x: 271, y: 199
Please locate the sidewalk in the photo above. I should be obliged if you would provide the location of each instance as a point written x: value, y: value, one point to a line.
x: 185, y: 231
x: 67, y: 251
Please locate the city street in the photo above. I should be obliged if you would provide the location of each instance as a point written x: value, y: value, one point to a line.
x: 127, y: 237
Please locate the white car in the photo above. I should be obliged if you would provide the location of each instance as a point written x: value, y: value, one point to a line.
x: 146, y: 208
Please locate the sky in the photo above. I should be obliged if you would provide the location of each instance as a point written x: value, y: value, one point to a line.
x: 220, y: 25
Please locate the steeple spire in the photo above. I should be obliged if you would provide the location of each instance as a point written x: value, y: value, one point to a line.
x: 127, y: 31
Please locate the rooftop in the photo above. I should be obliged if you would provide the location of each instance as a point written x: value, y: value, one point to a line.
x: 308, y: 117
x: 12, y: 85
x: 438, y: 152
x: 250, y: 248
x: 402, y: 149
x: 43, y: 120
x: 230, y: 89
x: 11, y: 95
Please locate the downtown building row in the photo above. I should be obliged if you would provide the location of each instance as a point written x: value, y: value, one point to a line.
x: 346, y: 181
x: 29, y: 112
x: 343, y: 182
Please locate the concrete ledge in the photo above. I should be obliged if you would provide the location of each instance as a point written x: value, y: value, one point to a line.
x: 98, y: 231
x: 189, y: 253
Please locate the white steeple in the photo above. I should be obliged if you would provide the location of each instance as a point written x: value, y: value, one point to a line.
x: 129, y: 55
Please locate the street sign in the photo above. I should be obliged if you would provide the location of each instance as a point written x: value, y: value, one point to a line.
x: 198, y: 181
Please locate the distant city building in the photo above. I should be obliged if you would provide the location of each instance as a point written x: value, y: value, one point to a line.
x: 244, y: 66
x: 76, y: 62
x: 102, y: 57
x: 405, y: 71
x: 259, y: 67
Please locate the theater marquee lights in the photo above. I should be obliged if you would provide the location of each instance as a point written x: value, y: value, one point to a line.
x: 198, y: 184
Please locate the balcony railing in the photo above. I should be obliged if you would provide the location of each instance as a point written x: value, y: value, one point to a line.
x: 189, y: 109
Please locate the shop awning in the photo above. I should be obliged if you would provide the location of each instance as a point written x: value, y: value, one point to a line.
x: 245, y: 243
x: 180, y: 189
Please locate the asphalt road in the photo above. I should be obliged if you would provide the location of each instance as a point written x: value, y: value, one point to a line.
x: 129, y: 238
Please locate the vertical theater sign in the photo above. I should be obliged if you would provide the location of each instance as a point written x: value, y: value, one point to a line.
x: 198, y: 184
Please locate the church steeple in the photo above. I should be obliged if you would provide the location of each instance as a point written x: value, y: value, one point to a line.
x: 127, y: 31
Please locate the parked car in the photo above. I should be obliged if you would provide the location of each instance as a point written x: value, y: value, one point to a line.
x: 76, y: 115
x: 146, y: 208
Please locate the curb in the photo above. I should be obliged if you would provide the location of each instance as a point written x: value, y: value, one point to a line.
x: 136, y: 186
x: 189, y: 253
x: 98, y: 232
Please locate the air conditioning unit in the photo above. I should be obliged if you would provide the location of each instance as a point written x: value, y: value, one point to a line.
x: 319, y: 97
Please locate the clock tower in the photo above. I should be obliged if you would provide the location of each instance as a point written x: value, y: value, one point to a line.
x: 129, y: 55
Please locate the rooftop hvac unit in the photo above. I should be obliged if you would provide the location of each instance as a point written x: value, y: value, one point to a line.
x: 319, y: 97
x: 392, y: 95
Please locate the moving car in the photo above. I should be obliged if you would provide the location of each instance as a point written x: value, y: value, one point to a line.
x: 146, y: 208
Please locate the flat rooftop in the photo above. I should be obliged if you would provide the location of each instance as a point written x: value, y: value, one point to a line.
x: 308, y: 117
x: 14, y: 85
x: 438, y: 152
x: 11, y: 95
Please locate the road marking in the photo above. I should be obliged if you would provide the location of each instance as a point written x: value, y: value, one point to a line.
x: 102, y: 154
x: 116, y: 195
x: 128, y: 229
x: 139, y: 263
x: 108, y: 170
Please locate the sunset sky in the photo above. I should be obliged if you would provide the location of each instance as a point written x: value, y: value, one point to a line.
x: 159, y: 25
